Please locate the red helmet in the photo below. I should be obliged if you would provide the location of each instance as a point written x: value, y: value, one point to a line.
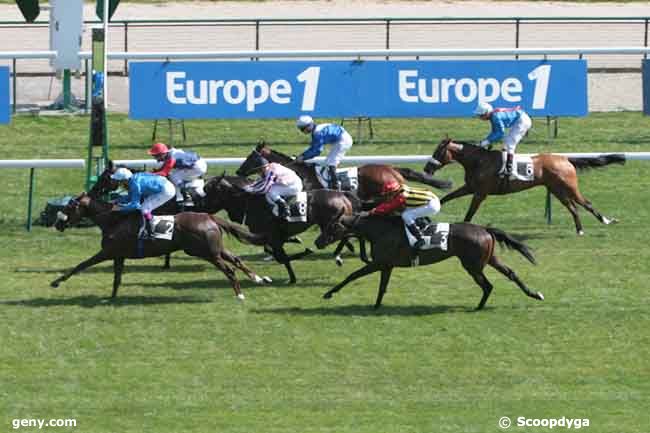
x: 158, y: 149
x: 391, y: 186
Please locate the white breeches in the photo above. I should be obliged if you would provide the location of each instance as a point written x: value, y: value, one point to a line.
x: 156, y: 200
x: 278, y: 191
x: 429, y: 209
x: 517, y: 132
x: 179, y: 175
x: 339, y: 149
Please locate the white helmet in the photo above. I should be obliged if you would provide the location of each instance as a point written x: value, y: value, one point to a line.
x: 483, y: 108
x: 304, y: 121
x: 122, y: 174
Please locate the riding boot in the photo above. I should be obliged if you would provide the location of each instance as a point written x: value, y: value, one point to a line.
x: 148, y: 229
x: 334, y: 181
x: 509, y: 159
x: 415, y: 231
x: 283, y: 209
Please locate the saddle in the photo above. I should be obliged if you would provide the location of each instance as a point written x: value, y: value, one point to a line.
x: 297, y: 205
x: 435, y: 235
x: 191, y: 191
x: 348, y: 177
x: 522, y: 168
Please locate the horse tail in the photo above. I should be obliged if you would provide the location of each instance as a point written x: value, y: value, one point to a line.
x: 239, y: 232
x: 582, y: 163
x: 424, y: 178
x: 505, y: 239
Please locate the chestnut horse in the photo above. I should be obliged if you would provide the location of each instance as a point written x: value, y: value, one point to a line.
x: 198, y: 234
x: 556, y: 172
x: 372, y: 177
x: 472, y: 244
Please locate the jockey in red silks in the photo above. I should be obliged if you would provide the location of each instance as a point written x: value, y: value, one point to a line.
x: 501, y: 118
x: 179, y: 166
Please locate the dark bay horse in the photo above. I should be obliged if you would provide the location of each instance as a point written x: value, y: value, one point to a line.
x: 556, y: 172
x: 325, y: 207
x: 198, y: 234
x: 372, y: 177
x: 472, y: 244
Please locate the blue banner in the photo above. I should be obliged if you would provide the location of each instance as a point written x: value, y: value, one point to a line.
x: 646, y: 87
x: 5, y: 109
x: 285, y: 89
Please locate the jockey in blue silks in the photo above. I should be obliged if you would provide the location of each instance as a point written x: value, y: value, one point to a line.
x: 502, y: 118
x: 147, y: 192
x: 322, y: 134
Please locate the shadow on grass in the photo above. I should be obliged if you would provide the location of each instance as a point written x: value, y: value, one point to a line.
x: 108, y: 268
x: 369, y: 310
x: 92, y: 301
x: 278, y: 283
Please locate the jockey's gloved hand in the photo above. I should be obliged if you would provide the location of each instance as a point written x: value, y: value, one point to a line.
x: 484, y: 144
x: 363, y: 214
x: 299, y: 158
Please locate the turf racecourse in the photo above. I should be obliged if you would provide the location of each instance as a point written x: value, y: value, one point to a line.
x: 177, y: 353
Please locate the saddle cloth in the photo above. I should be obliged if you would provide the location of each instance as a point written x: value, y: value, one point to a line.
x: 163, y: 227
x: 434, y: 235
x: 522, y: 168
x: 297, y: 206
x: 348, y: 177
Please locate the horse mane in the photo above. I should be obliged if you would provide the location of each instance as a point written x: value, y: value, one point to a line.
x: 280, y: 154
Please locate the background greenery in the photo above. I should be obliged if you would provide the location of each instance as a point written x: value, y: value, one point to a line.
x: 177, y: 352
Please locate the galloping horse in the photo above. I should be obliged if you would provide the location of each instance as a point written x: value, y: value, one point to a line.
x: 199, y: 235
x: 472, y: 244
x: 324, y: 208
x: 372, y: 177
x: 556, y: 172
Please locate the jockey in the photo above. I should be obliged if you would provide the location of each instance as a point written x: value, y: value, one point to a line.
x: 179, y: 166
x: 501, y: 118
x: 413, y: 203
x: 276, y: 181
x: 146, y: 193
x: 325, y: 133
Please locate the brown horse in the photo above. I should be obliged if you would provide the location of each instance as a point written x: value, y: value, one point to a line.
x: 472, y: 244
x: 556, y: 172
x: 199, y: 235
x: 372, y: 177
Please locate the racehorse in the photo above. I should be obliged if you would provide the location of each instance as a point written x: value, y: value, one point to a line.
x: 198, y: 234
x: 556, y: 172
x: 372, y: 177
x: 472, y: 244
x: 324, y: 207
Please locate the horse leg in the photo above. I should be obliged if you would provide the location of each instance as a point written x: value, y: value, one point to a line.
x: 463, y: 190
x: 473, y: 207
x: 579, y: 198
x: 167, y: 264
x: 562, y: 196
x: 363, y: 255
x: 229, y: 273
x: 510, y: 274
x: 299, y: 256
x: 368, y: 269
x: 118, y: 267
x: 97, y: 258
x: 239, y: 264
x: 280, y: 255
x: 383, y: 285
x: 475, y: 269
x: 424, y: 178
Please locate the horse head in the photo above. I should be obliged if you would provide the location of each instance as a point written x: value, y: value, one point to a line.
x: 441, y: 156
x: 73, y: 212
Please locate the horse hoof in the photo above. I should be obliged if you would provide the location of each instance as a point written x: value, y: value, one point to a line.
x: 258, y: 279
x: 540, y: 296
x: 241, y: 297
x: 267, y: 279
x: 581, y: 232
x: 54, y: 284
x: 339, y: 261
x: 327, y: 295
x: 612, y: 221
x: 309, y: 251
x: 268, y: 258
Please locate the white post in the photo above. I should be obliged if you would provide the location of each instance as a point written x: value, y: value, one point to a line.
x: 106, y: 2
